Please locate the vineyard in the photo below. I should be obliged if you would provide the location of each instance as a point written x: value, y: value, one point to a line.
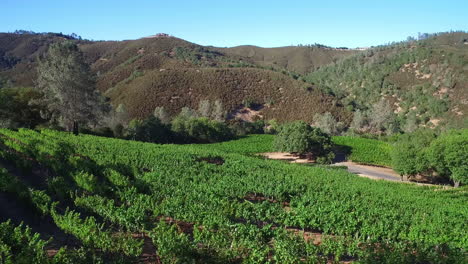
x: 116, y: 201
x: 366, y: 151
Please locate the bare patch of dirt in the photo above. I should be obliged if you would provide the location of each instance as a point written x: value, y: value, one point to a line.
x: 247, y: 114
x: 149, y: 254
x: 309, y: 236
x: 293, y: 158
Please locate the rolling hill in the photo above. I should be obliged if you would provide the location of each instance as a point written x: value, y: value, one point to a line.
x: 171, y: 72
x: 425, y: 81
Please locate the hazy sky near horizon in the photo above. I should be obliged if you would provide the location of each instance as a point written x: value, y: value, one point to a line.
x: 358, y: 23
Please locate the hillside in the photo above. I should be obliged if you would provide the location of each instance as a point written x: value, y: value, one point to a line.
x: 300, y: 59
x: 103, y: 200
x: 425, y: 81
x: 167, y: 71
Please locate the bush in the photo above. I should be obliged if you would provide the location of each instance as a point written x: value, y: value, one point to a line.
x: 200, y: 130
x: 448, y: 155
x: 409, y: 154
x: 299, y: 137
x: 241, y: 128
x: 328, y: 124
x: 150, y: 130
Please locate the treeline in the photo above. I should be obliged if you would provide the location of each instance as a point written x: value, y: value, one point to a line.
x: 440, y: 158
x: 206, y: 124
x: 30, y: 32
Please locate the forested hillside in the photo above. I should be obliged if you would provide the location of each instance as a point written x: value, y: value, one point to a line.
x: 425, y: 82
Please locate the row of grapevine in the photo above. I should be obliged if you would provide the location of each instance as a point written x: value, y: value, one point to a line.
x: 237, y: 210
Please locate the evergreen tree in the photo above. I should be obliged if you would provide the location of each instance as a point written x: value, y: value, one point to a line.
x: 68, y: 88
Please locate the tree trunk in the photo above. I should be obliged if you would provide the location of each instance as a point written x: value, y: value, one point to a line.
x: 75, y: 128
x: 456, y: 184
x: 404, y: 177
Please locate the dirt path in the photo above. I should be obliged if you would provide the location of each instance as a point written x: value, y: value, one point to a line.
x: 372, y: 172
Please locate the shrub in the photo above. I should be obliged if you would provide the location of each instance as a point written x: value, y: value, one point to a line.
x: 448, y: 154
x: 301, y: 138
x: 328, y: 124
x: 201, y: 129
x: 150, y: 130
x: 409, y: 154
x: 241, y: 128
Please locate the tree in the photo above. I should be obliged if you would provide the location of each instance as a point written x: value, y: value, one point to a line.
x: 187, y: 112
x: 150, y: 130
x: 360, y: 122
x: 382, y: 119
x: 68, y: 88
x: 409, y: 153
x: 411, y: 123
x: 161, y: 113
x: 301, y: 138
x: 328, y: 124
x: 218, y: 113
x: 448, y: 154
x: 204, y: 108
x: 15, y: 110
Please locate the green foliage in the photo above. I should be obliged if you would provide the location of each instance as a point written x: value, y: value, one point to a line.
x: 20, y: 245
x: 92, y: 234
x: 201, y: 129
x: 14, y: 108
x: 173, y: 246
x: 423, y: 152
x: 150, y: 130
x: 366, y: 151
x: 409, y: 153
x: 299, y: 137
x: 242, y: 128
x: 448, y: 154
x: 245, y: 209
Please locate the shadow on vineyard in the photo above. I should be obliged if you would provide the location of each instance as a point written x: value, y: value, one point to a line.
x: 106, y: 199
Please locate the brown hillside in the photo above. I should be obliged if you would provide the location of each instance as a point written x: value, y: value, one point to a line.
x: 171, y: 72
x: 299, y: 59
x: 281, y: 97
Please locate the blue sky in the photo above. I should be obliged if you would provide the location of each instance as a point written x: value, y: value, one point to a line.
x: 272, y: 23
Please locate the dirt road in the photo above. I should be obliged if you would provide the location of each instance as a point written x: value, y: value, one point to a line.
x: 372, y: 172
